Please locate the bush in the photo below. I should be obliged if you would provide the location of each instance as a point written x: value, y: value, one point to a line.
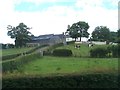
x: 99, y: 52
x: 14, y: 64
x: 64, y: 81
x: 16, y: 55
x: 47, y: 53
x: 10, y: 56
x: 50, y: 49
x: 70, y: 42
x: 62, y: 52
x: 115, y: 49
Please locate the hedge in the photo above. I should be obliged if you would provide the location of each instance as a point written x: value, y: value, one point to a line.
x: 66, y: 81
x: 62, y: 52
x: 110, y: 51
x: 99, y: 52
x: 14, y: 64
x: 8, y: 57
x: 115, y: 49
x: 50, y: 49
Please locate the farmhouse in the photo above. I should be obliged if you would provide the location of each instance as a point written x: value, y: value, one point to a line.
x: 48, y: 39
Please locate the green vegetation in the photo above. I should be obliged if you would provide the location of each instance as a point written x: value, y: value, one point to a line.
x: 79, y: 29
x: 15, y: 50
x: 78, y: 71
x: 83, y: 51
x: 62, y: 52
x: 66, y: 81
x: 20, y: 33
x: 68, y: 65
x: 15, y: 64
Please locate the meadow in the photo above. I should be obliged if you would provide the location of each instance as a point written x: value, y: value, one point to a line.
x: 49, y: 65
x: 15, y: 50
x: 78, y: 64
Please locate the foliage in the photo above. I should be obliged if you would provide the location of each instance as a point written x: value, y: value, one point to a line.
x: 83, y: 51
x: 99, y: 52
x: 6, y: 46
x: 50, y: 66
x: 15, y: 64
x: 21, y: 52
x: 71, y: 42
x: 78, y: 29
x: 115, y: 49
x: 118, y: 35
x: 101, y: 33
x: 113, y: 37
x: 50, y: 49
x: 10, y: 56
x: 62, y: 52
x: 11, y: 51
x: 20, y: 33
x: 66, y: 81
x: 118, y: 31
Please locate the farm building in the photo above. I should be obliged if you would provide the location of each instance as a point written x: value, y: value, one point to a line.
x: 48, y: 39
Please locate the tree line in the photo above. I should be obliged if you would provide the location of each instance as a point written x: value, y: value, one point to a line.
x: 100, y: 33
x: 22, y: 35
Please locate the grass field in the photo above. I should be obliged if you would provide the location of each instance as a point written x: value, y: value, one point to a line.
x: 63, y: 65
x: 14, y: 51
x: 83, y: 51
x: 50, y: 71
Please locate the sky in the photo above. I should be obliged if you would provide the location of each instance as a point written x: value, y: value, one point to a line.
x: 54, y: 16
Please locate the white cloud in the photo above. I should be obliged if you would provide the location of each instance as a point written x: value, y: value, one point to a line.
x: 56, y: 18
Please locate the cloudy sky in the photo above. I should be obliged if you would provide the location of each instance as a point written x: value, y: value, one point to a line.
x: 53, y: 16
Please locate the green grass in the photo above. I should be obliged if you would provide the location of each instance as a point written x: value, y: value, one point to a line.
x: 78, y: 64
x: 14, y: 51
x: 83, y: 51
x: 72, y: 65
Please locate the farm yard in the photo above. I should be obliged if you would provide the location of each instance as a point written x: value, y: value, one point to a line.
x: 79, y: 70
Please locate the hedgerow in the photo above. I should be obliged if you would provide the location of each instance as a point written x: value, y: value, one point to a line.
x: 14, y: 64
x: 62, y: 52
x: 67, y: 81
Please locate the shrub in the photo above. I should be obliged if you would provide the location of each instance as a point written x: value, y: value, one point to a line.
x: 64, y: 81
x: 62, y: 52
x: 99, y: 52
x: 47, y: 52
x: 14, y: 64
x: 50, y: 49
x: 115, y: 49
x: 70, y: 42
x: 10, y: 56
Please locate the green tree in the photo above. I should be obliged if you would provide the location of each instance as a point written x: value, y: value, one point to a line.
x: 79, y: 29
x: 101, y: 33
x: 20, y: 33
x: 118, y: 32
x: 118, y: 36
x: 113, y: 36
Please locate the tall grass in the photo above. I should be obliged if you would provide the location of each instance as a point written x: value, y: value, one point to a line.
x: 59, y: 65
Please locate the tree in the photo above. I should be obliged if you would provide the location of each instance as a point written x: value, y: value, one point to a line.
x: 78, y: 29
x: 20, y: 33
x: 118, y: 36
x: 113, y: 36
x: 101, y: 33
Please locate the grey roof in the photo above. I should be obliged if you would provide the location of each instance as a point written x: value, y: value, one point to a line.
x: 41, y: 37
x: 47, y: 36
